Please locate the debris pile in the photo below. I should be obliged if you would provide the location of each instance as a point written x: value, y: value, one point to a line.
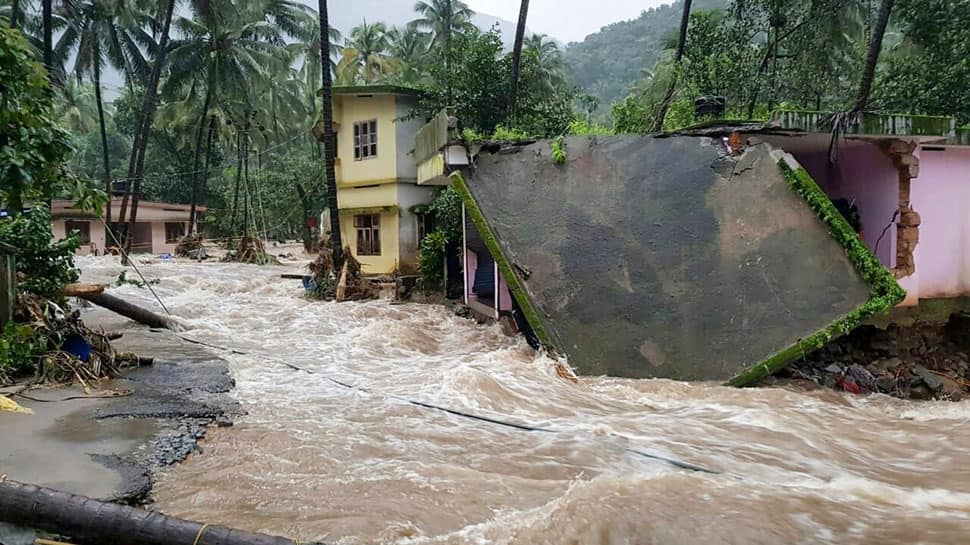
x: 347, y: 284
x: 250, y: 250
x: 64, y: 349
x: 920, y: 362
x: 191, y: 246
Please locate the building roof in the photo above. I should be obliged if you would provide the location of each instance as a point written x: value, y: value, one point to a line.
x: 375, y: 90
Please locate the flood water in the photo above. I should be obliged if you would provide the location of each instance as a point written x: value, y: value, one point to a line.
x: 314, y: 461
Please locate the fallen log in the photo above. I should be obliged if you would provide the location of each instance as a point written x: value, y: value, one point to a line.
x: 290, y: 276
x: 131, y: 311
x: 83, y: 290
x: 91, y: 522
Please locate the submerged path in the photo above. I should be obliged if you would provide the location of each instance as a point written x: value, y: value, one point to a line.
x: 314, y: 460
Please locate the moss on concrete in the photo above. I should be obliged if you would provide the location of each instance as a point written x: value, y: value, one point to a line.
x: 885, y: 293
x: 516, y: 287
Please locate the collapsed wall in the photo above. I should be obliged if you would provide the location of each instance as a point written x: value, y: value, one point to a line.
x: 677, y: 257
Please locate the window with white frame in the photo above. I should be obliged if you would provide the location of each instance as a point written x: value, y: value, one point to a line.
x: 365, y: 140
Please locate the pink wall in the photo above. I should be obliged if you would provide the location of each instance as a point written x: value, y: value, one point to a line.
x: 504, y: 297
x: 471, y: 265
x: 865, y: 176
x: 941, y: 195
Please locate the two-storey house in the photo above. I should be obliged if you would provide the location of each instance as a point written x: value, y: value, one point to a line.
x: 376, y: 172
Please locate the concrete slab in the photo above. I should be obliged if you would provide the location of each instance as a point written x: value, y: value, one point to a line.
x: 663, y: 257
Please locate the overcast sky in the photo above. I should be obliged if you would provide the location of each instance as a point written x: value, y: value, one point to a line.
x: 567, y: 20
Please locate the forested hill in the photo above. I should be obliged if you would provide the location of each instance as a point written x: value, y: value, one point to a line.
x: 606, y: 64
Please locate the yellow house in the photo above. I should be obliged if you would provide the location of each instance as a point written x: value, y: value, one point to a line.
x: 376, y: 171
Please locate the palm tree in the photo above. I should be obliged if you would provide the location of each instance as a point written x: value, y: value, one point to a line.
x: 658, y: 123
x: 143, y: 125
x: 517, y: 53
x: 96, y: 33
x: 77, y: 109
x: 875, y: 48
x: 307, y: 50
x: 225, y: 52
x: 443, y: 19
x: 365, y: 55
x: 409, y: 49
x: 329, y: 139
x: 548, y: 58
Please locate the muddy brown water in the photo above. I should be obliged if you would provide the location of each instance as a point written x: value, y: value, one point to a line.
x: 315, y: 461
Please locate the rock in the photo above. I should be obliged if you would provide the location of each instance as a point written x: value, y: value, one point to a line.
x: 861, y: 376
x: 885, y: 384
x: 224, y: 422
x: 951, y: 390
x: 920, y: 392
x: 834, y: 368
x: 931, y: 381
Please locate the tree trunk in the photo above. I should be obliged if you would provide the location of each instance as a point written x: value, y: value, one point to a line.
x: 307, y: 211
x: 205, y: 172
x: 235, y: 197
x: 91, y: 522
x: 14, y: 13
x: 133, y: 312
x: 329, y: 138
x: 872, y: 59
x: 517, y: 55
x: 105, y: 159
x: 658, y: 123
x: 143, y: 125
x: 48, y: 23
x: 199, y: 134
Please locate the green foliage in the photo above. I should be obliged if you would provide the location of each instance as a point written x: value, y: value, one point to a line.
x: 582, y: 127
x: 32, y: 147
x: 510, y: 134
x: 609, y: 63
x: 558, y: 146
x: 477, y: 83
x: 446, y: 208
x: 123, y: 280
x: 20, y: 351
x: 432, y: 259
x: 46, y: 266
x: 930, y: 71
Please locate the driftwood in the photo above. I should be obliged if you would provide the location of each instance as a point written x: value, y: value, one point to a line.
x: 83, y: 290
x: 133, y: 312
x: 91, y: 522
x: 342, y: 284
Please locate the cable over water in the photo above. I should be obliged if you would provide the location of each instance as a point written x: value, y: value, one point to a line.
x: 817, y: 467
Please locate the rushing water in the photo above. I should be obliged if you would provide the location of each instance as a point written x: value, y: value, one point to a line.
x: 315, y: 461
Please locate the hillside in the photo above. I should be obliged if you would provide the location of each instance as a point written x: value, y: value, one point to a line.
x: 606, y: 64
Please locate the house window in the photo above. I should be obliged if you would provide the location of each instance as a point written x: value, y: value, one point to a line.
x: 426, y: 224
x: 174, y: 231
x: 83, y: 229
x: 368, y: 234
x: 365, y: 140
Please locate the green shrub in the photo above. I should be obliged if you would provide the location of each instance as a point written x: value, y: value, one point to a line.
x: 432, y: 259
x: 20, y: 350
x: 46, y: 266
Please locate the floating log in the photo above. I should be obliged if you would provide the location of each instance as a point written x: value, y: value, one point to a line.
x: 291, y: 276
x: 83, y: 290
x: 133, y: 312
x: 91, y: 522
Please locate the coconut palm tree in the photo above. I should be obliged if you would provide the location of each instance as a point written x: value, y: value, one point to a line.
x: 552, y: 69
x: 365, y: 55
x: 329, y: 139
x: 517, y: 53
x: 872, y: 58
x: 96, y: 33
x: 76, y: 107
x: 658, y: 123
x: 443, y: 19
x: 408, y: 48
x: 224, y: 53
